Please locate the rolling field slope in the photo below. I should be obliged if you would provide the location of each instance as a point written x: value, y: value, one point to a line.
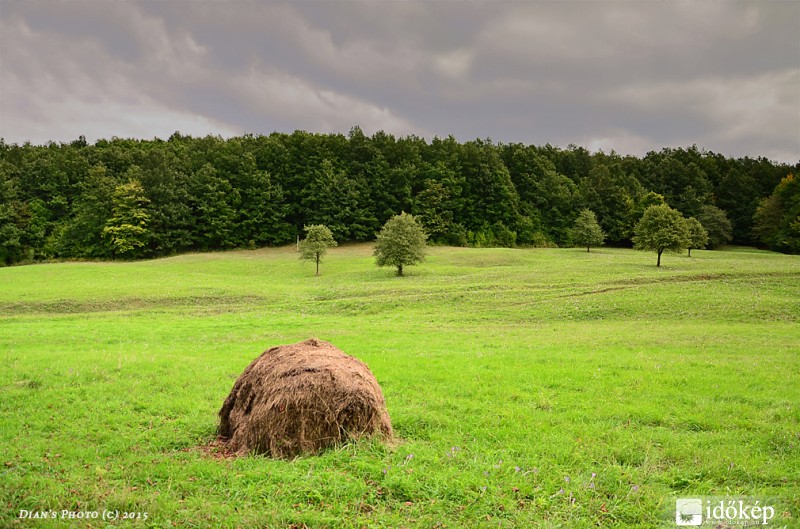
x: 527, y: 388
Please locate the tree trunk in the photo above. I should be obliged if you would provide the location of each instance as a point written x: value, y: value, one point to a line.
x: 690, y: 252
x: 400, y: 270
x: 317, y: 260
x: 587, y: 248
x: 658, y: 263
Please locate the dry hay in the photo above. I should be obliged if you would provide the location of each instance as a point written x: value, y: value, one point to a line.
x: 301, y: 398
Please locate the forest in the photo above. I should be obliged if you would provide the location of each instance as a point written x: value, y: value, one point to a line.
x: 133, y: 199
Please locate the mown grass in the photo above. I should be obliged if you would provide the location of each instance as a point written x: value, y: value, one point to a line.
x: 527, y: 388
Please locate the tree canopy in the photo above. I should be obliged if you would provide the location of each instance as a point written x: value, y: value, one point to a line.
x: 661, y: 228
x: 126, y: 230
x: 777, y: 218
x: 587, y: 231
x: 316, y: 244
x: 717, y: 225
x: 698, y: 236
x: 209, y: 193
x: 400, y: 243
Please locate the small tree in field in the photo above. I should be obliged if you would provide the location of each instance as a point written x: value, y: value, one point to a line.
x: 661, y: 228
x: 318, y: 239
x: 587, y: 231
x: 400, y: 243
x: 698, y: 236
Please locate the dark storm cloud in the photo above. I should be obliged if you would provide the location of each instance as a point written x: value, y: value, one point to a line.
x: 611, y: 75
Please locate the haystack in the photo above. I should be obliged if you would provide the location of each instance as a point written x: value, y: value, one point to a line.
x: 301, y: 398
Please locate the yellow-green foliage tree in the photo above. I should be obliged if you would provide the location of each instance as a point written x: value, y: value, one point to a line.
x: 126, y: 231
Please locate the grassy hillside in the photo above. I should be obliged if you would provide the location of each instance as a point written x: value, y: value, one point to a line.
x: 528, y: 388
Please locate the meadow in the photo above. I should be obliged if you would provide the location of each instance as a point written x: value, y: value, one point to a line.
x: 527, y: 387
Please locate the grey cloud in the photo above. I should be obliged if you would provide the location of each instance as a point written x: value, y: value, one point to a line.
x: 103, y: 22
x: 723, y: 75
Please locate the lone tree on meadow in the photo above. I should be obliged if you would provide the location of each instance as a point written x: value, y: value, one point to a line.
x: 698, y: 236
x: 400, y: 243
x: 318, y: 239
x: 586, y: 231
x: 661, y: 228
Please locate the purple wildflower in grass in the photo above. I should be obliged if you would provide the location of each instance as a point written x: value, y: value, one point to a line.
x: 483, y: 489
x: 635, y: 488
x: 535, y: 470
x: 566, y: 478
x: 560, y: 491
x: 517, y: 469
x: 594, y: 475
x: 591, y: 484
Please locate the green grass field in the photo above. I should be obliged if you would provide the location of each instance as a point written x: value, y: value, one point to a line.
x: 527, y: 388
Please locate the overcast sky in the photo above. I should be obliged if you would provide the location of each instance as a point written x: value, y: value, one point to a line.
x: 632, y: 76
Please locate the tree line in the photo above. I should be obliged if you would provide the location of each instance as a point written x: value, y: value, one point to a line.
x: 130, y: 198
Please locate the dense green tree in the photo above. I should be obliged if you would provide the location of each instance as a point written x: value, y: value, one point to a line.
x: 316, y: 244
x: 336, y: 200
x: 546, y: 197
x: 438, y: 203
x: 39, y: 221
x: 575, y: 162
x: 400, y: 243
x: 489, y: 193
x: 214, y: 193
x: 11, y: 234
x: 587, y: 231
x: 674, y: 174
x: 777, y: 219
x: 698, y: 236
x: 661, y: 228
x: 612, y: 195
x: 645, y: 201
x: 126, y: 232
x: 768, y: 221
x: 738, y: 195
x: 717, y: 225
x: 386, y: 169
x: 404, y: 177
x: 214, y: 202
x: 167, y: 178
x: 766, y: 174
x: 556, y: 205
x: 261, y: 215
x: 83, y: 234
x: 430, y: 209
